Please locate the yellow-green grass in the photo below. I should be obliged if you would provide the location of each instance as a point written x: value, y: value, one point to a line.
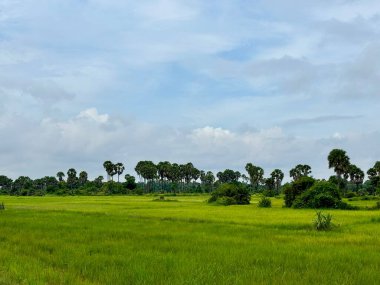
x: 135, y: 240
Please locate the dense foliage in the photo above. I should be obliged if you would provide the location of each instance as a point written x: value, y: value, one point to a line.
x: 322, y: 194
x: 231, y: 194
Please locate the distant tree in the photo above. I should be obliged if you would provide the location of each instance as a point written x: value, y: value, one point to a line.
x: 22, y: 183
x: 60, y: 176
x: 119, y: 169
x: 356, y: 175
x: 277, y: 175
x: 130, y: 182
x: 255, y: 173
x: 83, y: 177
x: 374, y: 175
x: 299, y: 171
x: 339, y: 160
x: 99, y: 181
x: 228, y: 176
x: 110, y: 169
x: 5, y: 184
x: 207, y: 180
x: 71, y: 178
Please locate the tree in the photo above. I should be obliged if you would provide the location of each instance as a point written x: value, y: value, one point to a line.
x: 228, y: 176
x: 374, y: 175
x: 207, y: 180
x: 110, y: 169
x: 255, y: 173
x: 130, y: 182
x: 277, y: 175
x: 83, y: 176
x: 60, y: 176
x: 71, y: 178
x: 119, y: 169
x: 339, y: 160
x: 299, y: 171
x: 99, y: 181
x: 5, y: 184
x: 356, y: 175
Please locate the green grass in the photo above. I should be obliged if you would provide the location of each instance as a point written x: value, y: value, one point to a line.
x: 135, y: 240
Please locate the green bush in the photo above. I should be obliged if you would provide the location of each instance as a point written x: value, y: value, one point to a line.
x: 350, y: 195
x: 322, y: 194
x: 265, y: 202
x: 296, y: 188
x: 323, y: 222
x: 232, y: 193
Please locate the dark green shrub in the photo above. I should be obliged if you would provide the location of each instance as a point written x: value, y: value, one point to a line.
x: 296, y: 188
x: 265, y: 202
x: 2, y: 207
x: 322, y: 222
x: 269, y: 193
x: 238, y: 193
x: 321, y: 195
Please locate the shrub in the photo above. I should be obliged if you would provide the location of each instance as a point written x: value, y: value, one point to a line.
x: 296, y: 188
x: 232, y: 193
x: 2, y: 207
x: 350, y: 195
x: 321, y: 195
x: 322, y: 222
x: 265, y: 202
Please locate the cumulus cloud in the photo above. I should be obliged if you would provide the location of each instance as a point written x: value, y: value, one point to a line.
x: 219, y: 83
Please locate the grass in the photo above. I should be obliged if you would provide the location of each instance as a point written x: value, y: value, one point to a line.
x: 134, y: 240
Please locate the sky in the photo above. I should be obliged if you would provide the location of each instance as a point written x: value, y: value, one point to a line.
x: 218, y: 83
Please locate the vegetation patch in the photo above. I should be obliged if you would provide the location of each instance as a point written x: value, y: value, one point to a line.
x: 230, y: 194
x: 265, y: 202
x: 323, y: 222
x: 2, y: 207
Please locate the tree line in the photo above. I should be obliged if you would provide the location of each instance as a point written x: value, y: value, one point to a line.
x: 167, y: 177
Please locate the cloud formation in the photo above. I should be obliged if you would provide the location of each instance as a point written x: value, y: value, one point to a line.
x: 219, y: 83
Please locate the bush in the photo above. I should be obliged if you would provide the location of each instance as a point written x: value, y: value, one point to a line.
x: 350, y: 195
x: 232, y: 193
x: 265, y: 202
x: 321, y: 195
x: 2, y: 207
x: 296, y: 188
x: 322, y: 222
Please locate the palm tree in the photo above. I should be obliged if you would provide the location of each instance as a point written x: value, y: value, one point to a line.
x: 356, y: 175
x: 255, y: 173
x: 60, y: 176
x: 299, y: 171
x: 119, y: 169
x: 277, y: 175
x: 110, y: 168
x: 83, y: 176
x: 339, y: 160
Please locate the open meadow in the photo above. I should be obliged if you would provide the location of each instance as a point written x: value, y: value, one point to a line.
x: 135, y: 240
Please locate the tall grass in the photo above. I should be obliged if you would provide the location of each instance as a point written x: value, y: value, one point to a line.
x: 134, y: 240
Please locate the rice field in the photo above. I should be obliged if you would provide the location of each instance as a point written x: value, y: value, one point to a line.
x: 137, y: 240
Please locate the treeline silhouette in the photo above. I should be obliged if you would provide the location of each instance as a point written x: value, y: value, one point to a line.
x: 167, y: 177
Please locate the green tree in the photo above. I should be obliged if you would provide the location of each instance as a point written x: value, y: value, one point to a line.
x: 228, y: 176
x: 110, y: 169
x: 277, y: 175
x: 119, y: 169
x: 299, y: 171
x: 356, y: 175
x: 339, y: 160
x: 255, y: 173
x: 60, y: 176
x: 72, y: 178
x: 83, y: 178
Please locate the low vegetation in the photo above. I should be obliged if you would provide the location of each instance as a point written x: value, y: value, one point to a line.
x: 265, y: 202
x: 323, y: 222
x: 132, y: 240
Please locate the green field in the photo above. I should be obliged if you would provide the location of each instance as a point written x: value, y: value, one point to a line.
x: 135, y: 240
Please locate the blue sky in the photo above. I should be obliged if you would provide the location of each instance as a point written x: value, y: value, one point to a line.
x: 218, y: 83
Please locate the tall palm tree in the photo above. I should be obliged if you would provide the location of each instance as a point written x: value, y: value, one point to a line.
x: 339, y: 160
x: 60, y: 176
x: 119, y: 168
